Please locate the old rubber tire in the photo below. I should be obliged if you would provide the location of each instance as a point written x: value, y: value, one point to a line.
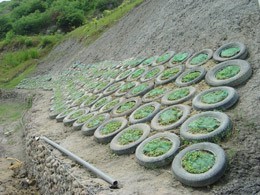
x: 156, y: 126
x: 84, y: 105
x: 146, y: 99
x: 90, y: 131
x: 129, y: 78
x: 218, y: 133
x: 159, y: 81
x: 130, y: 94
x: 97, y: 91
x: 102, y: 109
x: 119, y: 78
x: 228, y: 102
x: 172, y: 64
x: 157, y: 107
x: 180, y: 83
x: 148, y: 64
x: 77, y: 126
x: 156, y: 63
x: 162, y: 160
x: 166, y: 101
x: 242, y: 54
x: 94, y: 108
x: 209, y: 52
x: 108, y: 92
x: 202, y: 179
x: 243, y: 75
x: 67, y: 121
x: 100, y: 138
x: 118, y: 93
x: 61, y: 116
x: 143, y: 79
x: 137, y: 101
x: 129, y: 148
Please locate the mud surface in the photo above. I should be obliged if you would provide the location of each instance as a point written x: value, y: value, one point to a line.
x: 153, y: 28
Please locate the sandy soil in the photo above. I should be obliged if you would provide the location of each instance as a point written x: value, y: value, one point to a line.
x: 153, y: 28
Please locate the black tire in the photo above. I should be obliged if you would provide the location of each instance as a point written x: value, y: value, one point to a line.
x: 118, y: 93
x: 148, y: 88
x: 243, y: 75
x: 146, y: 99
x: 129, y: 148
x: 137, y: 101
x: 61, y: 116
x: 77, y: 126
x: 157, y: 107
x: 119, y: 78
x: 104, y: 139
x: 173, y: 64
x: 156, y: 63
x: 228, y: 102
x: 143, y: 79
x: 159, y: 161
x: 156, y: 126
x: 102, y: 109
x: 96, y: 91
x: 84, y: 105
x: 129, y: 78
x: 144, y: 64
x: 218, y: 133
x: 94, y: 108
x: 67, y: 121
x: 90, y: 131
x: 159, y: 81
x: 242, y: 54
x: 180, y: 83
x: 209, y: 52
x: 202, y: 179
x: 166, y: 101
x: 109, y: 92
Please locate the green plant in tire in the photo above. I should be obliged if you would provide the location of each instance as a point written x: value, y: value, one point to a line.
x: 214, y: 96
x: 113, y: 87
x: 126, y: 87
x: 156, y: 92
x: 157, y: 147
x: 163, y: 57
x: 90, y: 99
x: 110, y: 127
x: 178, y: 94
x: 101, y: 102
x: 179, y: 57
x: 227, y: 72
x: 190, y: 76
x: 84, y: 118
x: 126, y: 106
x: 124, y: 74
x: 229, y: 52
x: 198, y: 161
x: 199, y: 59
x: 152, y: 73
x: 111, y: 104
x: 137, y: 73
x: 170, y: 116
x: 149, y: 60
x: 166, y: 74
x: 144, y: 112
x: 95, y: 121
x: 129, y: 136
x: 101, y: 86
x: 76, y: 114
x: 203, y: 125
x: 139, y: 88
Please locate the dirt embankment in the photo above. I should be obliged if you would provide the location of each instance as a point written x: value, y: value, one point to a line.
x: 153, y: 28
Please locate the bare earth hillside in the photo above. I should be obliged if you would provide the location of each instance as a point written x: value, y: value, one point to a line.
x: 151, y: 29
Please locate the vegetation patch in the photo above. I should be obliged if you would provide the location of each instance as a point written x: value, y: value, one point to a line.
x: 214, y: 96
x: 102, y: 86
x: 90, y: 100
x: 111, y: 104
x: 198, y: 161
x: 139, y: 88
x: 113, y: 87
x: 129, y: 136
x: 84, y: 118
x: 170, y: 116
x: 149, y: 60
x: 156, y: 92
x: 125, y: 74
x: 126, y: 87
x: 157, y: 147
x: 144, y: 111
x: 110, y: 127
x: 163, y: 58
x: 11, y: 111
x: 178, y: 94
x: 203, y: 125
x: 191, y: 76
x: 227, y: 72
x: 126, y: 106
x: 137, y: 73
x: 229, y: 52
x: 199, y: 59
x: 152, y: 73
x: 166, y: 74
x: 179, y: 57
x: 95, y: 121
x: 76, y: 114
x: 101, y: 102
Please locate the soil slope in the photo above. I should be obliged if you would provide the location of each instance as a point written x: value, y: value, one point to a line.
x: 153, y: 28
